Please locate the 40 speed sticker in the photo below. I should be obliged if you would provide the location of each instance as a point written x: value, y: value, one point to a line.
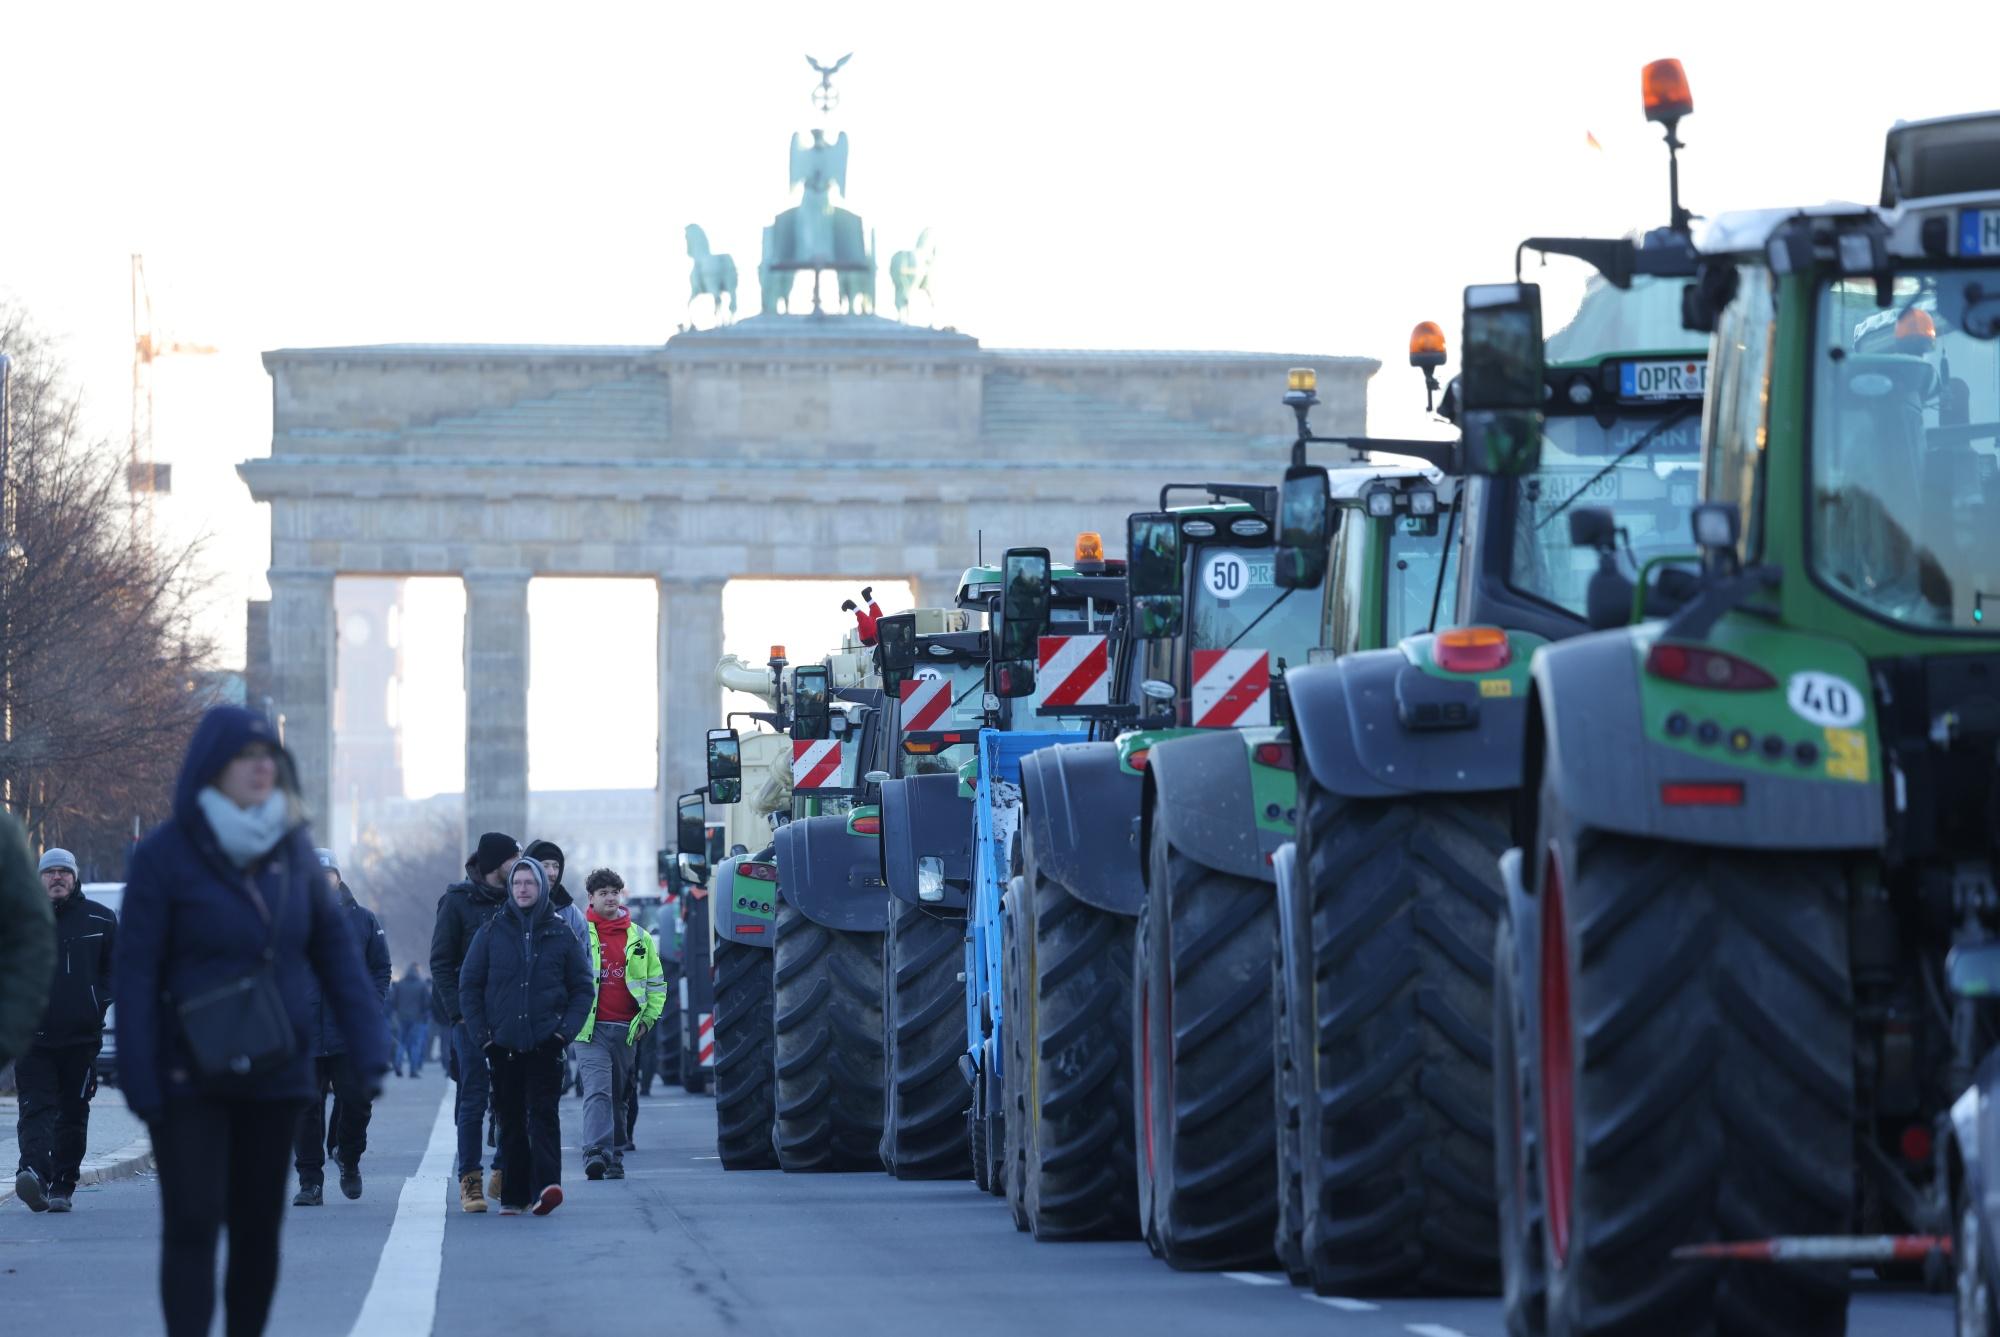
x: 1822, y: 699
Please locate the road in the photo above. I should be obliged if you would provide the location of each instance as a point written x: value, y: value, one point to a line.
x: 701, y: 1250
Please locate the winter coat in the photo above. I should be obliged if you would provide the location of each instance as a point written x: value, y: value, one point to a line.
x: 567, y: 912
x: 462, y: 911
x: 86, y: 935
x: 27, y: 942
x: 524, y: 981
x: 325, y: 1036
x: 644, y: 977
x: 410, y: 998
x: 190, y: 924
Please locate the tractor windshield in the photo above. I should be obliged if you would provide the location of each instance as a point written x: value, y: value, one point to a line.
x: 959, y: 704
x: 1644, y: 466
x: 1905, y: 429
x: 1237, y: 603
x: 1416, y: 551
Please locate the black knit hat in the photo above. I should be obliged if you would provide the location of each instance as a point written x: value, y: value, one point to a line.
x: 547, y: 849
x: 495, y: 848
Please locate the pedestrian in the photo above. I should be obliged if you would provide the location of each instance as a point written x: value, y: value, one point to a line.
x: 227, y: 917
x: 27, y: 943
x: 525, y: 992
x: 550, y: 856
x: 411, y: 999
x: 346, y: 1134
x: 462, y: 911
x: 630, y: 993
x: 57, y: 1075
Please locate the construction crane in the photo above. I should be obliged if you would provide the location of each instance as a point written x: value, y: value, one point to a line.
x: 144, y: 476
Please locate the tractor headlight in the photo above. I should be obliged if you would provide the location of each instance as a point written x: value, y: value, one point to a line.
x: 930, y: 878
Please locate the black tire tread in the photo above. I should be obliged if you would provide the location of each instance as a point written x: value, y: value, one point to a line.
x: 745, y: 1076
x: 925, y: 1096
x: 827, y: 1055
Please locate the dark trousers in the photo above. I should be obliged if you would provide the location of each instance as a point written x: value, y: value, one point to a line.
x: 350, y: 1121
x: 411, y: 1041
x: 526, y: 1090
x: 56, y: 1083
x: 474, y: 1091
x: 221, y: 1163
x: 646, y: 1068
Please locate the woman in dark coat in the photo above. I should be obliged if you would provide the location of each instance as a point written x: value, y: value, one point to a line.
x: 525, y: 990
x: 229, y: 878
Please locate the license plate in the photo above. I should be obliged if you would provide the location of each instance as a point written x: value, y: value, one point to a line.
x: 1261, y: 574
x: 1682, y: 378
x: 1979, y: 232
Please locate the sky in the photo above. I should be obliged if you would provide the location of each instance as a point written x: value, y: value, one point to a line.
x: 1303, y: 178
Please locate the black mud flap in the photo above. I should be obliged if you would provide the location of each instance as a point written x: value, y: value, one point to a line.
x: 923, y: 816
x: 832, y: 878
x: 1080, y: 805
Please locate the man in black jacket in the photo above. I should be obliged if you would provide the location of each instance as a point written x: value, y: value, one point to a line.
x: 462, y: 911
x: 351, y: 1106
x: 57, y: 1075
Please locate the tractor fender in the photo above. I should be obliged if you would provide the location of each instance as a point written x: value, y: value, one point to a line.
x: 1198, y: 785
x: 830, y: 877
x: 745, y: 909
x: 1348, y: 718
x: 1080, y: 804
x: 923, y: 815
x: 1608, y: 774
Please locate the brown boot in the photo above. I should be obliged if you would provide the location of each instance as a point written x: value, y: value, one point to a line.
x: 470, y: 1199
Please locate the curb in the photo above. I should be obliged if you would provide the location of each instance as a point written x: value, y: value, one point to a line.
x: 135, y: 1157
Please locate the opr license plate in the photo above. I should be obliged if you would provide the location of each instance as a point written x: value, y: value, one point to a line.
x: 1683, y: 378
x: 1979, y: 232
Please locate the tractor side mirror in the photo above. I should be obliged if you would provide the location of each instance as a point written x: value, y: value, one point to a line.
x: 1013, y: 677
x: 1501, y: 379
x: 1152, y: 554
x: 811, y: 703
x: 1593, y: 527
x: 897, y: 637
x: 691, y: 837
x: 1305, y: 528
x: 725, y: 766
x: 1024, y: 602
x: 1157, y: 616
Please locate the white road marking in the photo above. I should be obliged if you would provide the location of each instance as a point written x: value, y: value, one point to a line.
x: 1432, y: 1330
x: 403, y: 1297
x: 1255, y: 1278
x: 1341, y: 1302
x: 704, y: 1158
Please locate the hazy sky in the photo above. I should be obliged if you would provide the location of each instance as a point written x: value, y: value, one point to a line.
x: 1308, y: 178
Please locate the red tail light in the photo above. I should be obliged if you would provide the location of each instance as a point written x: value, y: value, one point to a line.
x: 763, y: 872
x: 1273, y: 754
x: 1702, y: 794
x: 866, y: 826
x: 749, y: 928
x: 1137, y: 761
x: 1472, y: 650
x: 1694, y: 666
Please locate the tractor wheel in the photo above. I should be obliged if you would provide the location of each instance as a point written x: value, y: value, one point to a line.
x: 1523, y: 1279
x: 1403, y: 898
x: 828, y: 1055
x: 925, y: 1098
x: 667, y: 1030
x: 1014, y: 936
x: 744, y: 1078
x: 1201, y: 1051
x: 1072, y: 1032
x: 1289, y: 1243
x: 1694, y: 1079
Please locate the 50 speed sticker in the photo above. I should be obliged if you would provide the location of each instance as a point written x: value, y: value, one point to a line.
x: 1825, y: 700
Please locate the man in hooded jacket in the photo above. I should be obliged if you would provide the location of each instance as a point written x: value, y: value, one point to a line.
x: 550, y: 856
x: 462, y: 911
x: 331, y: 1070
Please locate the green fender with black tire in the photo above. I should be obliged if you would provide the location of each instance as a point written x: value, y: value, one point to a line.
x: 828, y: 1046
x: 925, y: 1096
x: 1202, y: 1063
x: 745, y: 1078
x: 1403, y: 896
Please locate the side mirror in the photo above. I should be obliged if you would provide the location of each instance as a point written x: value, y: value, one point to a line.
x: 1501, y: 386
x: 1024, y: 602
x: 1305, y: 528
x: 1593, y: 527
x: 1717, y: 525
x: 811, y: 703
x: 897, y: 637
x: 1013, y: 677
x: 691, y: 836
x: 1157, y: 616
x: 693, y: 870
x: 1152, y: 554
x: 725, y: 766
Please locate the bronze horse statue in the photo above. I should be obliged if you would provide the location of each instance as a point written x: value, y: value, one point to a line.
x: 910, y: 273
x: 714, y: 276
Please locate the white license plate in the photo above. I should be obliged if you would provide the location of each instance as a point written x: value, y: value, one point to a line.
x: 1682, y: 378
x: 1979, y: 232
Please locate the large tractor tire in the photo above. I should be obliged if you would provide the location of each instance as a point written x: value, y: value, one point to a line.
x: 1523, y: 1275
x: 1694, y: 1080
x: 1013, y: 1176
x: 745, y: 1080
x: 1286, y: 1087
x: 667, y: 1030
x: 1202, y: 1069
x: 1072, y: 1029
x: 925, y: 1098
x: 1403, y: 898
x: 828, y: 1055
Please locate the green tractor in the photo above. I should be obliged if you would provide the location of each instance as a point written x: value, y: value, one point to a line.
x: 1755, y: 830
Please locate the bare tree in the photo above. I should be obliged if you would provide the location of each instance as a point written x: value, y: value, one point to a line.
x: 100, y: 659
x: 402, y: 881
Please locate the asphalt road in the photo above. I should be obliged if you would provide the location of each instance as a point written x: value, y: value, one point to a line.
x: 763, y: 1253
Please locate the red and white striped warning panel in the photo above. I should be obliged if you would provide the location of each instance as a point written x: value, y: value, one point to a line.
x: 704, y: 1043
x: 926, y: 701
x: 815, y: 763
x: 1232, y: 689
x: 1075, y: 671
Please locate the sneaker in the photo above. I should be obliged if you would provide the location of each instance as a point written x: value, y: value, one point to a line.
x: 59, y: 1201
x: 593, y: 1168
x: 29, y: 1188
x: 616, y: 1170
x: 630, y: 1145
x: 470, y: 1199
x: 493, y: 1184
x: 548, y: 1200
x: 505, y: 1210
x: 309, y: 1195
x: 350, y: 1181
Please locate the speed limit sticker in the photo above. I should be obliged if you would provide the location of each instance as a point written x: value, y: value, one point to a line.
x: 1231, y: 575
x: 1822, y: 699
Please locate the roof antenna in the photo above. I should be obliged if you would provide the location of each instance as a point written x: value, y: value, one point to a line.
x: 979, y: 558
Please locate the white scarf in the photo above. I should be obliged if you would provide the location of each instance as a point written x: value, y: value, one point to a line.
x: 246, y: 834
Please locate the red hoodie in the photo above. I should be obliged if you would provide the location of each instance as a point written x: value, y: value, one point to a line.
x: 614, y: 1001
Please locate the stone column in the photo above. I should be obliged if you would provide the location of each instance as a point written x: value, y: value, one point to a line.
x: 496, y: 703
x: 302, y: 653
x: 690, y: 699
